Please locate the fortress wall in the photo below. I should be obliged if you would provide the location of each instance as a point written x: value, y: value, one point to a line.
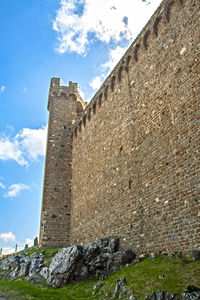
x: 56, y: 200
x: 135, y: 156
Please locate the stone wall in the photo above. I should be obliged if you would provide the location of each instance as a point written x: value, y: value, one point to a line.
x: 135, y: 147
x: 56, y: 202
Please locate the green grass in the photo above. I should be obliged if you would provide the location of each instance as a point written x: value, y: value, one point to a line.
x: 48, y: 251
x: 24, y: 290
x: 142, y: 278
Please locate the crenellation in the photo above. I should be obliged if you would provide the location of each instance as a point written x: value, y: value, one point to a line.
x: 155, y: 25
x: 145, y: 39
x: 100, y: 100
x: 55, y: 82
x: 168, y: 8
x: 119, y: 74
x: 128, y: 60
x: 94, y: 107
x: 112, y: 83
x: 106, y: 92
x: 127, y: 164
x: 135, y: 52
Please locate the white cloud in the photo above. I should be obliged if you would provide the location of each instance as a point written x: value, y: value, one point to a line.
x: 2, y: 185
x: 33, y: 141
x: 114, y: 57
x: 14, y: 190
x: 27, y: 145
x: 8, y: 250
x: 62, y: 82
x: 95, y: 83
x: 9, y: 150
x: 30, y: 242
x: 106, y: 20
x: 2, y: 88
x: 7, y: 237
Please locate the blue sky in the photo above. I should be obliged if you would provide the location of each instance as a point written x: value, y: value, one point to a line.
x: 79, y: 41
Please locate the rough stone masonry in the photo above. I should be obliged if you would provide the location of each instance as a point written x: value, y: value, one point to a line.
x: 128, y: 163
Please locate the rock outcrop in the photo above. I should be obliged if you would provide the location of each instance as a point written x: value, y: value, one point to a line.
x: 97, y: 259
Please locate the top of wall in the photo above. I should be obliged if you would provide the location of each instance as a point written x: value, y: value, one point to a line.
x: 56, y: 88
x: 162, y: 13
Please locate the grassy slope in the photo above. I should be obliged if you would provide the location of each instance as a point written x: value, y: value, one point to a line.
x: 142, y: 278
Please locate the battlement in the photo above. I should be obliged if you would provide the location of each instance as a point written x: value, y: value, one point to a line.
x: 56, y: 89
x: 55, y: 84
x: 161, y: 18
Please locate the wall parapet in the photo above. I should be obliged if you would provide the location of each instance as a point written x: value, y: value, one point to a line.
x: 56, y: 90
x: 162, y: 14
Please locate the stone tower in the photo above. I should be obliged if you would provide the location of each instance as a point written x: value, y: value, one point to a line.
x: 64, y: 105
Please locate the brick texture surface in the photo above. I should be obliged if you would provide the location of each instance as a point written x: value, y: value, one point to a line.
x: 135, y: 147
x: 135, y: 162
x: 56, y: 202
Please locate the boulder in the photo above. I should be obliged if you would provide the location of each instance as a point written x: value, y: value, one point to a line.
x: 115, y: 261
x: 132, y: 297
x: 35, y: 255
x: 24, y: 266
x: 99, y: 263
x: 191, y: 293
x: 10, y: 263
x: 98, y: 285
x: 22, y: 255
x: 65, y: 266
x: 161, y: 295
x: 157, y: 295
x: 14, y: 261
x: 72, y: 263
x: 196, y: 254
x: 109, y: 244
x: 44, y: 273
x: 128, y: 257
x: 105, y: 245
x: 4, y: 275
x: 35, y: 278
x: 171, y: 296
x: 90, y: 252
x: 13, y: 274
x: 83, y: 273
x: 120, y: 283
x: 37, y: 263
x: 5, y: 265
x: 79, y: 263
